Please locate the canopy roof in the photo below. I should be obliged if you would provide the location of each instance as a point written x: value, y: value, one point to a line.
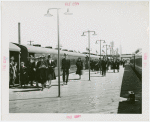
x: 13, y: 47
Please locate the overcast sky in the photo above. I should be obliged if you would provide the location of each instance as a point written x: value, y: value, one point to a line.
x: 125, y: 23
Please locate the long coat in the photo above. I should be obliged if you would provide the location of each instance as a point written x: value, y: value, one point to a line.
x: 104, y: 64
x: 31, y: 71
x: 117, y: 65
x: 113, y: 65
x: 42, y: 67
x: 24, y: 75
x: 79, y: 65
x: 65, y: 64
x: 50, y: 71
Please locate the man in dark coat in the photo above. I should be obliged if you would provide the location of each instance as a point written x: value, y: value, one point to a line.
x: 65, y: 68
x: 100, y: 65
x: 123, y: 62
x: 104, y: 65
x: 31, y: 71
x: 114, y: 65
x: 36, y: 70
x: 117, y: 64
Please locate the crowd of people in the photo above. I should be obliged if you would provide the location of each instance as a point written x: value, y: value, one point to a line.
x: 103, y: 64
x: 41, y: 70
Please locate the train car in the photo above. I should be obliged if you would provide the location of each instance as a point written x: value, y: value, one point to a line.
x: 136, y: 61
x: 27, y: 51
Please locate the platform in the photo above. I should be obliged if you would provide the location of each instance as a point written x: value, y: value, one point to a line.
x: 100, y: 95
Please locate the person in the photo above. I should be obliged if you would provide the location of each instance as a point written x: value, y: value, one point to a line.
x: 96, y: 66
x: 15, y: 73
x: 79, y: 65
x: 65, y: 68
x: 117, y: 64
x: 36, y: 71
x: 50, y: 71
x: 100, y: 65
x: 31, y: 70
x: 23, y: 74
x: 123, y: 63
x: 86, y: 62
x: 92, y: 65
x: 107, y: 61
x: 42, y: 67
x: 114, y: 65
x: 104, y: 65
x: 11, y: 71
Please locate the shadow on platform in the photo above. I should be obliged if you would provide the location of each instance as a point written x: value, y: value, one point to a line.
x: 34, y: 98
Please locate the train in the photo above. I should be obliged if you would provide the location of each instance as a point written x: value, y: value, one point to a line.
x: 22, y: 52
x: 136, y: 62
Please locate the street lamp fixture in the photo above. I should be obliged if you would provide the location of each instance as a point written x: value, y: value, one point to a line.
x: 106, y: 48
x: 89, y: 46
x: 100, y: 44
x: 68, y: 13
x: 49, y: 15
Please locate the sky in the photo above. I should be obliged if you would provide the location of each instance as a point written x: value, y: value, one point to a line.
x: 125, y: 23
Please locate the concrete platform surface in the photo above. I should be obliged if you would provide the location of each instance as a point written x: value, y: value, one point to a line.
x: 100, y: 95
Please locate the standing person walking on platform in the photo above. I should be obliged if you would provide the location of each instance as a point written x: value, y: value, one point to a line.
x: 42, y: 67
x: 104, y: 65
x: 117, y: 64
x: 79, y: 65
x: 107, y: 60
x: 100, y: 65
x: 123, y: 62
x: 65, y: 68
x: 50, y: 71
x: 114, y: 65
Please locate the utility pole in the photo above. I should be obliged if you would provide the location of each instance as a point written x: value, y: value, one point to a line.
x: 30, y: 42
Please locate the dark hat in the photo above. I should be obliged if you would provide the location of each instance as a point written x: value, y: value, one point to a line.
x: 49, y: 56
x: 65, y: 54
x: 40, y: 57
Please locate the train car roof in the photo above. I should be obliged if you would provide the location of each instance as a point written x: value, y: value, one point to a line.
x: 13, y: 47
x: 33, y: 49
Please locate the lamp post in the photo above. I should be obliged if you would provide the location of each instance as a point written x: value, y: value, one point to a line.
x: 58, y: 62
x: 89, y: 46
x: 100, y: 45
x: 106, y: 48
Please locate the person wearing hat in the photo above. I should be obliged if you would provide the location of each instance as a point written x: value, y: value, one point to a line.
x: 117, y: 64
x: 100, y: 65
x: 86, y: 61
x: 50, y: 71
x: 65, y: 67
x: 42, y: 71
x: 114, y: 65
x: 36, y: 71
x: 79, y: 65
x: 31, y: 70
x: 23, y: 74
x: 11, y: 71
x: 104, y: 65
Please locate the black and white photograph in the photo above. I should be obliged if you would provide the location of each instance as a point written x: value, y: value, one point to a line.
x: 75, y: 60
